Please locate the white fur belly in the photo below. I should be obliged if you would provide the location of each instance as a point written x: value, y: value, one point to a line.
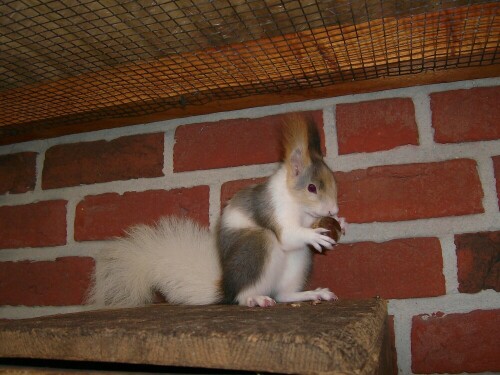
x: 295, y: 271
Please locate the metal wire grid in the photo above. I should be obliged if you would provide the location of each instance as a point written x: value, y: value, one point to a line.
x: 82, y: 60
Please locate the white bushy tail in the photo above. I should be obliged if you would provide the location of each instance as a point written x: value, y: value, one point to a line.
x: 176, y: 257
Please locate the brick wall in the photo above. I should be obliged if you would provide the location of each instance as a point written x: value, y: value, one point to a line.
x: 419, y: 180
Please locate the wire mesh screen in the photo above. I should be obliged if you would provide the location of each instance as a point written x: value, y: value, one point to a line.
x: 73, y: 61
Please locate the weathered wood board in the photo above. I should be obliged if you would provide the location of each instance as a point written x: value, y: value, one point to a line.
x: 346, y: 337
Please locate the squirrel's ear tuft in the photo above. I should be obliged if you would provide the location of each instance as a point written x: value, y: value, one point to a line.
x: 295, y: 144
x: 314, y: 140
x: 301, y: 143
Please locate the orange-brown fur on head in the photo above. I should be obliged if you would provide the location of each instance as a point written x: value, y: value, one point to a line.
x: 300, y: 135
x: 294, y: 135
x: 305, y: 167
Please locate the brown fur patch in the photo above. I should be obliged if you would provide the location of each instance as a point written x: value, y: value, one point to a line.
x: 295, y: 141
x: 295, y: 135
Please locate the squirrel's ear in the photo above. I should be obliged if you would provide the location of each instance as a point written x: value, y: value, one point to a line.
x: 297, y: 162
x: 294, y: 135
x: 295, y: 145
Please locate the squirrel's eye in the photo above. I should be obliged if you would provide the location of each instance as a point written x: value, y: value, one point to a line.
x: 312, y: 188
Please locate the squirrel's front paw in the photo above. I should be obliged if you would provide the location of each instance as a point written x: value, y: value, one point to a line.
x: 324, y: 294
x: 317, y: 239
x: 343, y: 223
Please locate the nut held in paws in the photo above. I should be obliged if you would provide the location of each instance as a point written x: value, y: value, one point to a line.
x: 335, y: 231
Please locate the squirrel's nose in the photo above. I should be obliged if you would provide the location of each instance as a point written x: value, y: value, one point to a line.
x: 334, y: 211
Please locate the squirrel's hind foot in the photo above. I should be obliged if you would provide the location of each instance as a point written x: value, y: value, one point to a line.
x: 261, y: 301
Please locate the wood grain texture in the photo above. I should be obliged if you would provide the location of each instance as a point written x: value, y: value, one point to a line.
x: 326, y: 338
x: 288, y: 67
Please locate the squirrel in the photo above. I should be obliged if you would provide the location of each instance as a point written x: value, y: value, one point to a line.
x: 258, y: 255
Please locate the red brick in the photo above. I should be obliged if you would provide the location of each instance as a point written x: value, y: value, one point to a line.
x: 125, y: 158
x: 466, y: 115
x: 478, y: 256
x: 231, y: 143
x: 402, y: 268
x: 455, y: 343
x: 46, y: 283
x: 33, y: 225
x: 496, y: 165
x: 17, y: 172
x: 376, y: 125
x: 411, y: 191
x: 108, y: 215
x: 228, y: 189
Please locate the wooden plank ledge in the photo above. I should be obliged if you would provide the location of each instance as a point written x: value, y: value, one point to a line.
x: 347, y: 337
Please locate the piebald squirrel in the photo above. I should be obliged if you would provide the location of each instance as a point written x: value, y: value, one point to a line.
x: 258, y: 255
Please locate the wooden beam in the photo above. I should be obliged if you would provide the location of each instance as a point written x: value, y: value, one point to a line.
x: 383, y: 53
x: 345, y: 337
x: 77, y: 124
